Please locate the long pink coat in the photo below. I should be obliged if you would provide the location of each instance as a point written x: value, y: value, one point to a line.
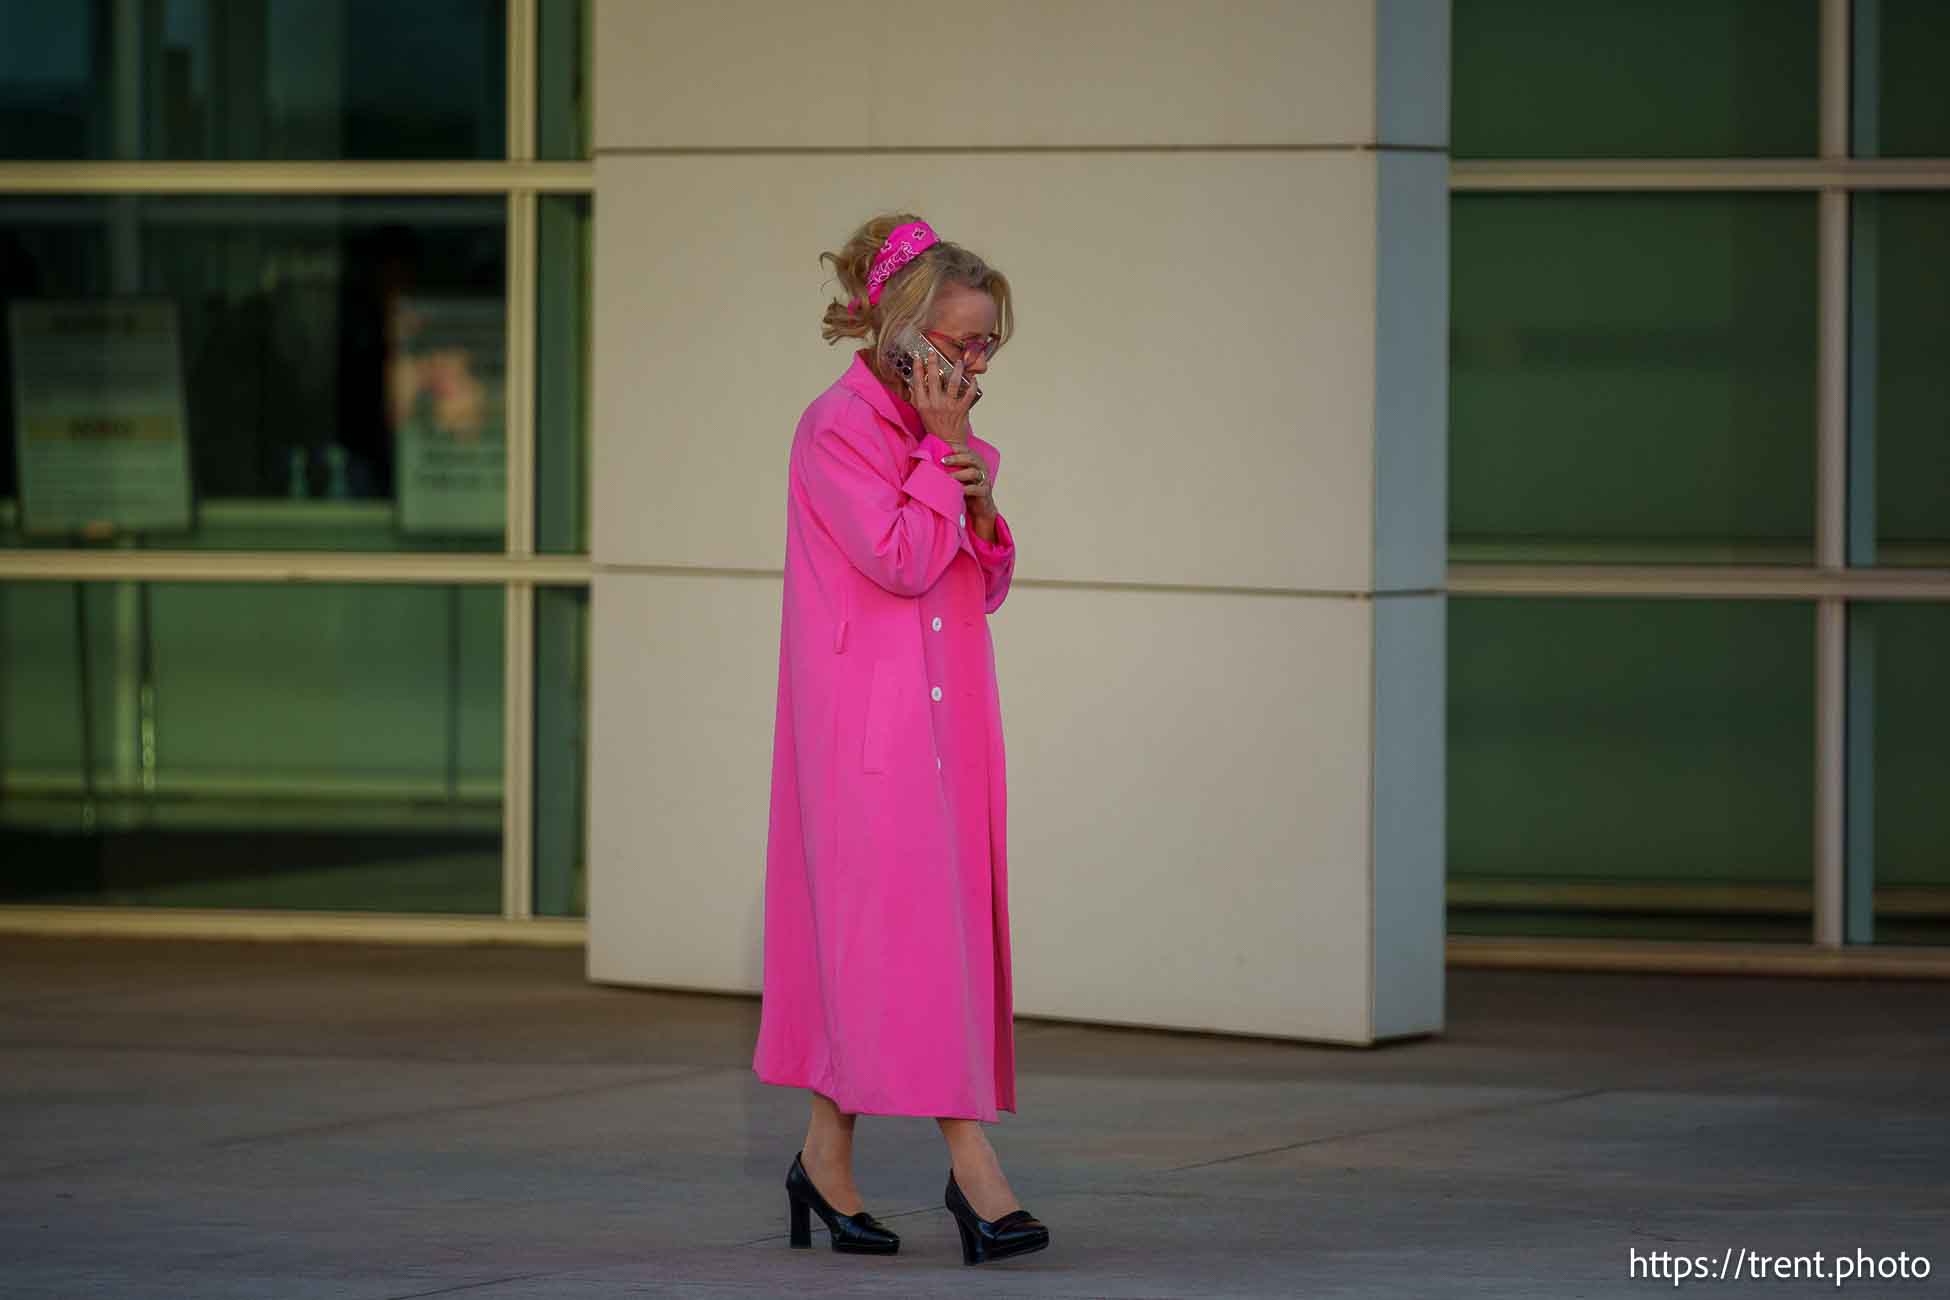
x: 886, y: 978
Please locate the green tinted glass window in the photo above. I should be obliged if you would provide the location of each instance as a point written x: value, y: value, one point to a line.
x: 1647, y: 79
x: 221, y: 372
x: 1632, y: 377
x: 1899, y: 418
x: 275, y: 745
x: 561, y: 751
x: 1901, y: 52
x: 1630, y: 767
x: 1907, y: 646
x: 562, y: 79
x: 562, y: 374
x: 220, y: 80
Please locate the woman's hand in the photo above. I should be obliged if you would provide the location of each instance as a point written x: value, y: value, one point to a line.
x: 967, y: 466
x: 943, y: 416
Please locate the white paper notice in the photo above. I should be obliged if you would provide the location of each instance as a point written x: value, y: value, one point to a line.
x: 101, y: 439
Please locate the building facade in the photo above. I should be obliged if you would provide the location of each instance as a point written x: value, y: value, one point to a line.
x: 1483, y: 475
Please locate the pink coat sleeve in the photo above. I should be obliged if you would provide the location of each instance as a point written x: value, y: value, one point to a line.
x: 997, y: 558
x: 902, y: 535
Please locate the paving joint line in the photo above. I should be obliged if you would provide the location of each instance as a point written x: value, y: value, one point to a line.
x: 471, y: 1286
x: 614, y: 1085
x: 1738, y: 1072
x: 311, y: 1130
x: 1443, y: 1117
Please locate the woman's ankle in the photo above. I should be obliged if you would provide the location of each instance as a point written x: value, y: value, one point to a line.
x: 828, y: 1149
x: 971, y: 1146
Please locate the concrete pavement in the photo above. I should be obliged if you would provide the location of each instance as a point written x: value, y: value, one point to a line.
x: 290, y: 1121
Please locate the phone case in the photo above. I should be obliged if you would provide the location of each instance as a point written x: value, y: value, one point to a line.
x: 903, y: 361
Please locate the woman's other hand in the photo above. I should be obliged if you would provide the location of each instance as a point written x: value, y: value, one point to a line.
x: 976, y: 486
x: 943, y: 416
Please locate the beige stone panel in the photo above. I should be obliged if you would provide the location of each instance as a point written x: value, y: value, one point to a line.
x: 1010, y: 73
x: 719, y: 73
x: 684, y: 673
x: 1128, y: 72
x: 1189, y: 791
x: 1188, y: 798
x: 1189, y: 398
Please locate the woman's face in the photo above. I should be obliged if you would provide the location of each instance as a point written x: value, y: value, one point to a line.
x: 961, y: 314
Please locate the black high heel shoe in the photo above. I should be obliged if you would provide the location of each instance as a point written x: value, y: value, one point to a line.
x: 860, y: 1233
x: 1016, y: 1233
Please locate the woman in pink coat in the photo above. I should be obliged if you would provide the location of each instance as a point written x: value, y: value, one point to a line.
x: 887, y: 982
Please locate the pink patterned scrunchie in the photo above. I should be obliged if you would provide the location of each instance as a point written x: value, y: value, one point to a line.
x: 903, y: 245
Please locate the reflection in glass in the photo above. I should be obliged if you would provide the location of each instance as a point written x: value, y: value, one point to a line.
x: 1631, y: 768
x: 1648, y: 79
x: 1899, y: 392
x: 253, y: 79
x: 562, y: 375
x: 1632, y: 378
x: 561, y: 750
x: 246, y: 745
x: 337, y: 363
x: 1900, y: 49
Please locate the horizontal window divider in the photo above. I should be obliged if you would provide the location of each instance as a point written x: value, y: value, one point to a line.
x: 1698, y: 957
x: 1709, y: 581
x: 1023, y: 580
x: 258, y: 924
x: 1461, y: 951
x: 387, y: 177
x: 1666, y: 896
x: 205, y: 796
x: 445, y: 569
x: 269, y: 512
x: 1700, y: 174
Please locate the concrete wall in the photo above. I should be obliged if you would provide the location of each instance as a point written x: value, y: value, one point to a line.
x: 1221, y: 422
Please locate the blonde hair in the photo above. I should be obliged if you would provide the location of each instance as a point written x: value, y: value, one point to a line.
x: 908, y: 298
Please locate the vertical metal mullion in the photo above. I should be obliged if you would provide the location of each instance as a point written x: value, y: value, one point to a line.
x: 518, y: 639
x: 1858, y: 774
x: 1831, y: 726
x: 1831, y: 491
x: 518, y: 748
x: 1834, y: 90
x: 522, y: 93
x: 1859, y: 717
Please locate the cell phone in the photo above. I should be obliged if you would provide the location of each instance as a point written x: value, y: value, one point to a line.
x: 912, y: 347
